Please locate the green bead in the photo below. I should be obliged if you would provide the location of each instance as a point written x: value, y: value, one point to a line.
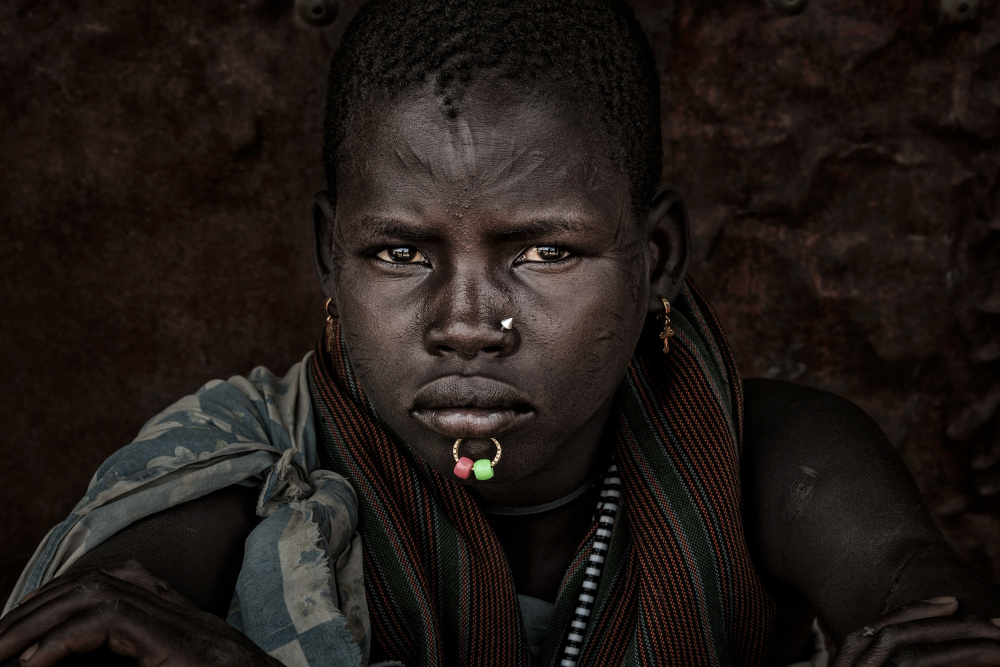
x: 483, y: 469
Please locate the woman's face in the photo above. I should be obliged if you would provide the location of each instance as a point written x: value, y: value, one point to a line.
x: 445, y: 227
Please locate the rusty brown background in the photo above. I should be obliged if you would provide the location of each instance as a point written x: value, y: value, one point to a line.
x: 157, y: 162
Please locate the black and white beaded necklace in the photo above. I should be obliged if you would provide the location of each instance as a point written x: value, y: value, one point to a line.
x: 607, y: 510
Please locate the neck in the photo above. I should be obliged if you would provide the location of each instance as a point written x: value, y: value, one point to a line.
x: 540, y: 547
x: 544, y: 508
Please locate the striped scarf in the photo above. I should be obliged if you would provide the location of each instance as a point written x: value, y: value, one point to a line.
x: 677, y: 585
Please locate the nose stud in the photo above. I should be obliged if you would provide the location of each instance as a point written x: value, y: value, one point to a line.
x: 506, y: 324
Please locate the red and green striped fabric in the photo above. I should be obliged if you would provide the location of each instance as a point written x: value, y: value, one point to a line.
x: 678, y: 586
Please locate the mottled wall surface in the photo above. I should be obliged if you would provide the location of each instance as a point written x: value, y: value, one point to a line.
x: 843, y: 174
x: 158, y: 159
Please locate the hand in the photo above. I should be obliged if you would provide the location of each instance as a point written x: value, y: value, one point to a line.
x: 924, y: 634
x: 128, y: 610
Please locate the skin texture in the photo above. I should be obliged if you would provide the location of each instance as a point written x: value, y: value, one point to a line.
x: 836, y: 524
x: 472, y: 199
x: 476, y: 206
x: 157, y: 591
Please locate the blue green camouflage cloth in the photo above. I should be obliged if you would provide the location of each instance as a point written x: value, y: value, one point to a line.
x: 300, y: 594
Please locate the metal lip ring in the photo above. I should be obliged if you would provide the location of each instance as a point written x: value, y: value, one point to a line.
x: 496, y: 459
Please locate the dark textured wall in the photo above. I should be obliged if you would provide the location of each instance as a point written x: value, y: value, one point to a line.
x: 158, y: 160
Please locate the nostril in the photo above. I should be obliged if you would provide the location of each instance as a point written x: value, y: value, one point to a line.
x: 489, y: 349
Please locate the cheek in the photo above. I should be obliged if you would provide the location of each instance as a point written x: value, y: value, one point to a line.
x: 369, y: 325
x: 617, y: 320
x: 587, y: 337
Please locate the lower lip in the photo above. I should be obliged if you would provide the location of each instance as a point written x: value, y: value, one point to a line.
x: 471, y: 422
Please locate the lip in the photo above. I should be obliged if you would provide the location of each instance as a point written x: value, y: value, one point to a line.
x: 471, y: 422
x: 470, y: 407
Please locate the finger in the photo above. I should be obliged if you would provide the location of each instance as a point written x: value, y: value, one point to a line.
x: 75, y: 596
x: 130, y: 575
x: 81, y: 582
x: 854, y: 644
x: 941, y: 606
x: 131, y: 571
x: 967, y: 653
x: 115, y: 624
x: 154, y: 640
x: 24, y: 624
x: 134, y: 572
x: 896, y: 639
x: 36, y: 598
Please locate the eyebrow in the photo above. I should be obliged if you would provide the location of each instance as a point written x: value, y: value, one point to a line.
x: 376, y: 226
x: 372, y: 226
x: 541, y: 227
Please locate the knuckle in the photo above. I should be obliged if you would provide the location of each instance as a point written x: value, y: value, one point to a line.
x: 92, y: 582
x: 113, y: 606
x: 886, y: 637
x: 135, y: 566
x: 90, y: 579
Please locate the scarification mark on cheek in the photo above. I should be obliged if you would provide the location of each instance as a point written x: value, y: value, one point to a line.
x: 607, y: 344
x: 362, y: 361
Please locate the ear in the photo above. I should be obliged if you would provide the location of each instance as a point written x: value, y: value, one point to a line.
x: 669, y: 239
x: 324, y: 219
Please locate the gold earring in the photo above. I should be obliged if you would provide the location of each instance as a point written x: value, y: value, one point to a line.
x: 330, y: 323
x: 668, y: 330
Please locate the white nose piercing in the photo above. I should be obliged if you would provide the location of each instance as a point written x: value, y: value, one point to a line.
x: 507, y: 323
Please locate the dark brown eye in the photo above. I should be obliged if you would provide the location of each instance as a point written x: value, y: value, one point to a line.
x: 401, y: 255
x: 544, y: 253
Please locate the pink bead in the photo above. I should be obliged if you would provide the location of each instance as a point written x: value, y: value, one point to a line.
x: 463, y: 467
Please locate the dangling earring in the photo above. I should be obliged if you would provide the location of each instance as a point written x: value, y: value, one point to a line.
x: 330, y: 323
x: 668, y: 330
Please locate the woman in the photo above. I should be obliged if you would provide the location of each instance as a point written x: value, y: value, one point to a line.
x: 512, y: 342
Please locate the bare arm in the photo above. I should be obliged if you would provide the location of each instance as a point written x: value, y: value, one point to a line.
x: 196, y: 547
x: 832, y: 512
x: 149, y: 574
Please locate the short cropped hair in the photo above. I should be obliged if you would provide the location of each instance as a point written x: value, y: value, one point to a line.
x: 590, y: 51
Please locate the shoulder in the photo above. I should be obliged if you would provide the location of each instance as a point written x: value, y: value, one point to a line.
x: 260, y: 409
x: 777, y: 411
x: 831, y: 511
x: 829, y: 507
x: 812, y: 456
x: 791, y: 431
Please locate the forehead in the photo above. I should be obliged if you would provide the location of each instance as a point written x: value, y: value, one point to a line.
x: 504, y: 151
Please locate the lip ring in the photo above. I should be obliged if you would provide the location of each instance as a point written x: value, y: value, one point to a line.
x: 493, y: 463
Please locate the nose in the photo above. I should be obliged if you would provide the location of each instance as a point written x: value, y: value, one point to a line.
x: 465, y: 319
